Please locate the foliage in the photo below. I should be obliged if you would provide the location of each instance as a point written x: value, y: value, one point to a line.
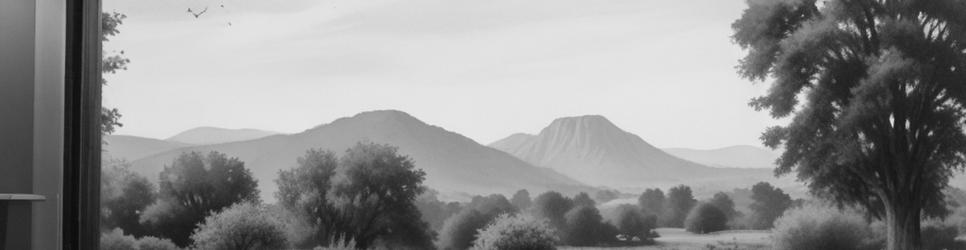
x: 154, y: 243
x: 194, y: 186
x: 582, y: 199
x: 814, y: 227
x: 706, y: 218
x: 492, y: 205
x: 630, y: 221
x: 521, y: 200
x: 242, y: 226
x: 552, y: 206
x: 940, y: 235
x: 116, y: 240
x: 606, y: 195
x: 124, y: 196
x: 585, y: 227
x: 724, y: 203
x: 516, y: 232
x: 434, y: 211
x: 111, y: 62
x: 459, y: 231
x: 679, y: 203
x: 303, y: 192
x: 374, y: 191
x: 652, y: 201
x: 874, y: 92
x: 769, y: 203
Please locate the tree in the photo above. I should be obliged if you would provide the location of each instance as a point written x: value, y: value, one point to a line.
x: 679, y: 202
x: 243, y: 226
x: 491, y: 206
x: 706, y: 218
x: 434, y: 211
x: 375, y: 190
x: 521, y: 199
x: 606, y: 195
x: 459, y: 231
x: 552, y: 206
x: 582, y: 199
x: 303, y: 191
x: 632, y: 222
x: 874, y: 91
x: 724, y: 203
x: 585, y: 227
x: 768, y: 203
x: 513, y: 232
x: 111, y: 62
x: 194, y: 186
x: 124, y: 196
x: 652, y: 201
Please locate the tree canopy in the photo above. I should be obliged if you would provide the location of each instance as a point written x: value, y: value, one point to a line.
x: 768, y: 203
x: 875, y: 93
x: 652, y: 201
x: 680, y: 200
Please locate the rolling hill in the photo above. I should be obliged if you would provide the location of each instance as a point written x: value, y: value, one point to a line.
x: 133, y: 147
x: 595, y: 151
x: 741, y: 156
x: 213, y: 135
x: 453, y: 163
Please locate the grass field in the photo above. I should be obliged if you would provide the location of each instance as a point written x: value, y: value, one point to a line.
x: 678, y: 239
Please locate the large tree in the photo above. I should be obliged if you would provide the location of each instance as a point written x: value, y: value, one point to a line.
x: 124, y: 196
x: 680, y: 200
x: 652, y: 202
x: 194, y: 186
x: 304, y: 192
x: 875, y: 91
x: 111, y: 62
x: 768, y: 203
x: 375, y: 189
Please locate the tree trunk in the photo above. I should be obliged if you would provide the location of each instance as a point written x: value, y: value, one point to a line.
x: 903, y: 221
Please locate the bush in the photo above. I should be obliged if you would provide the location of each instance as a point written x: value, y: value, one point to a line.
x: 520, y: 232
x: 585, y: 228
x: 632, y: 223
x: 706, y: 218
x: 814, y: 227
x: 939, y: 235
x: 460, y: 230
x: 116, y: 240
x: 241, y: 226
x: 153, y: 243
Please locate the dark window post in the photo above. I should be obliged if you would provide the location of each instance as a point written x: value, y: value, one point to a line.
x: 82, y: 135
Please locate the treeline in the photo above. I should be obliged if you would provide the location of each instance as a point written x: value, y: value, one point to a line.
x: 364, y: 198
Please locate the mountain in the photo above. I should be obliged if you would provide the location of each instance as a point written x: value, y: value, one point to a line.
x: 593, y: 150
x: 134, y: 147
x: 453, y: 163
x: 213, y: 135
x: 741, y: 156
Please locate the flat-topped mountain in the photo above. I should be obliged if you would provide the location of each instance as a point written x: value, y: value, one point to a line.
x: 593, y: 150
x: 453, y: 163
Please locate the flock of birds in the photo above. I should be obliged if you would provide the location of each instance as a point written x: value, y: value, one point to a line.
x: 198, y: 14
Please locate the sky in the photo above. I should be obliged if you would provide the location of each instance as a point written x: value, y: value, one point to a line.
x: 664, y: 70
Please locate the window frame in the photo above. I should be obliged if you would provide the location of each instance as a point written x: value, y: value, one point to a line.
x: 82, y: 135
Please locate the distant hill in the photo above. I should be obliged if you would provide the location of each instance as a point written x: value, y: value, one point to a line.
x: 453, y: 163
x: 741, y: 156
x: 593, y: 150
x: 213, y: 135
x: 133, y: 147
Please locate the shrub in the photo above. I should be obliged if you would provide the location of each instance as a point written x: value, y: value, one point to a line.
x: 460, y: 230
x: 939, y: 235
x: 585, y: 227
x: 706, y: 218
x: 516, y: 232
x: 116, y: 240
x: 631, y: 222
x: 241, y: 226
x: 814, y: 227
x: 153, y: 243
x: 552, y: 206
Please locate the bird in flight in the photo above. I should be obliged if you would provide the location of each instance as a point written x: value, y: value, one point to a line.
x: 197, y: 14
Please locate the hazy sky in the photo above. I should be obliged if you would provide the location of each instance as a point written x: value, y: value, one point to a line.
x: 664, y: 70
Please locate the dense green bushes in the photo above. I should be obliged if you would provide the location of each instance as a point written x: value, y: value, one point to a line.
x: 241, y: 226
x: 706, y: 218
x: 815, y: 227
x: 459, y: 231
x: 116, y: 240
x: 516, y: 232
